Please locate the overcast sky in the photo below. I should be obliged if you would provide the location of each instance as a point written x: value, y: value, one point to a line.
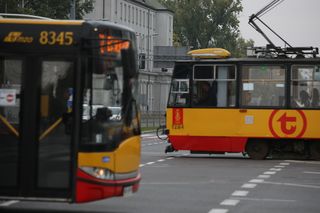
x: 297, y: 21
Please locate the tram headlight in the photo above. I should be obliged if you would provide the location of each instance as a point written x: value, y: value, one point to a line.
x: 100, y: 173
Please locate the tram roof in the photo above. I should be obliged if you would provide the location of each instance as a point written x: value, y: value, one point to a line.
x: 250, y: 60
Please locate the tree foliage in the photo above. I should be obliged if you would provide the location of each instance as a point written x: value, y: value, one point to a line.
x: 208, y: 23
x: 56, y: 9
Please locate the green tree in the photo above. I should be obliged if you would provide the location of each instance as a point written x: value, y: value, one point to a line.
x: 208, y: 23
x: 56, y: 9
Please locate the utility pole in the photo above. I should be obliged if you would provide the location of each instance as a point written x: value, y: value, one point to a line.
x: 72, y: 9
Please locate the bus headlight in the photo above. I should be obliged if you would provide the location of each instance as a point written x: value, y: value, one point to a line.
x: 100, y: 173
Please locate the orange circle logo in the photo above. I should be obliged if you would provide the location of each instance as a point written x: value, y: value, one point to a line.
x: 291, y: 123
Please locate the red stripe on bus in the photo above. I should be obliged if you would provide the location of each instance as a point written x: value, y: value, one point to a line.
x: 90, y: 188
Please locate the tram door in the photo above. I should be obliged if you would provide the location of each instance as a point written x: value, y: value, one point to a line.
x: 36, y: 98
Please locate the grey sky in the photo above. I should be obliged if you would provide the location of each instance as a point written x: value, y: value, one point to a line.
x: 297, y: 21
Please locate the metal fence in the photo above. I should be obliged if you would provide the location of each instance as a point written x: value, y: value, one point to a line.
x: 152, y: 119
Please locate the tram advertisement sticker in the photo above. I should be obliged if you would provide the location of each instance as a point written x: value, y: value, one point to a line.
x: 291, y: 123
x: 7, y: 97
x: 177, y: 118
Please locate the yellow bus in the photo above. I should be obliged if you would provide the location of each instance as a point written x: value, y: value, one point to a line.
x: 69, y: 122
x: 259, y: 106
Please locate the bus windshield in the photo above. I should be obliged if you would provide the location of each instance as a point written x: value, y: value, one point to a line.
x: 101, y: 98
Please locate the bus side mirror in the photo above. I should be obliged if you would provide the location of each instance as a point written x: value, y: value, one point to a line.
x: 129, y: 62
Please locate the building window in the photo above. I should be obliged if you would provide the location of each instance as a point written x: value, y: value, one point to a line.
x: 125, y: 12
x: 144, y: 19
x: 140, y: 17
x: 121, y: 11
x: 132, y: 20
x: 129, y: 13
x: 137, y: 16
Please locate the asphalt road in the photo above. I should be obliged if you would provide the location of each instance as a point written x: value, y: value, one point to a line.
x: 180, y: 182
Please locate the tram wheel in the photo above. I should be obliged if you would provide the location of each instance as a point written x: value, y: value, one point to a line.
x: 315, y: 150
x: 257, y: 150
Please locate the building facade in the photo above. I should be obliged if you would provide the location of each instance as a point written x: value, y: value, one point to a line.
x: 153, y: 24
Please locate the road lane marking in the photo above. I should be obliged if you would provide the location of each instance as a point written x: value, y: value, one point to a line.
x: 249, y: 185
x: 256, y: 181
x: 293, y: 184
x: 280, y: 166
x: 285, y: 164
x: 315, y: 173
x: 275, y: 169
x: 9, y: 203
x: 269, y: 173
x: 265, y: 199
x: 240, y: 193
x: 306, y: 162
x: 264, y: 176
x: 149, y: 163
x: 218, y: 211
x: 161, y: 160
x: 230, y: 202
x: 141, y: 165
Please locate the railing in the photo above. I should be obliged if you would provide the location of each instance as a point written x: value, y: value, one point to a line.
x: 153, y: 119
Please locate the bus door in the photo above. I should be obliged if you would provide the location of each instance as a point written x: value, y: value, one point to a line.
x: 36, y: 149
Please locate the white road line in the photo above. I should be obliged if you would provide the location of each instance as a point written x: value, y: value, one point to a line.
x: 306, y: 162
x: 240, y: 193
x: 170, y: 158
x: 249, y: 185
x: 315, y: 173
x: 229, y: 202
x: 275, y: 169
x: 161, y: 160
x: 218, y: 211
x: 265, y: 199
x: 285, y: 164
x: 256, y: 181
x: 141, y: 165
x: 9, y: 203
x: 149, y: 163
x: 280, y: 166
x: 294, y: 184
x: 264, y: 176
x: 269, y: 173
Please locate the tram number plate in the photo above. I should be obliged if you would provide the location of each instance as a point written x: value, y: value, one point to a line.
x: 127, y: 191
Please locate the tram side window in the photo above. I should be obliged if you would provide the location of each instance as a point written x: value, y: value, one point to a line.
x: 179, y: 91
x: 226, y: 86
x: 214, y: 86
x: 305, y: 86
x: 263, y: 86
x: 204, y: 88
